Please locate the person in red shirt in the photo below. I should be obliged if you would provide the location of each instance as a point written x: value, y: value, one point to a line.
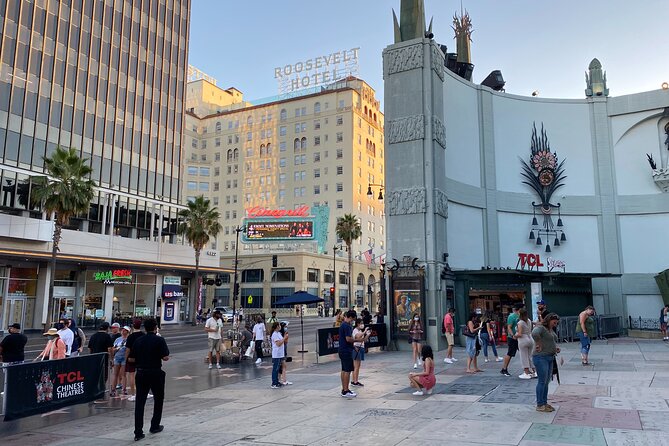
x: 449, y: 332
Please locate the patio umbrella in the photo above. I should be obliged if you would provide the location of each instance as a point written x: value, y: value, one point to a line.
x: 300, y: 298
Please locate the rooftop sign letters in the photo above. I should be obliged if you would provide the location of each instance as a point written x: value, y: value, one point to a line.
x: 317, y: 70
x: 257, y: 211
x: 533, y: 262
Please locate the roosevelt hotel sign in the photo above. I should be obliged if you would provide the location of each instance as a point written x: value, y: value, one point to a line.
x: 316, y: 71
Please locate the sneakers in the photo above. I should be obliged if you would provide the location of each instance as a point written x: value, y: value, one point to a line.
x: 429, y: 391
x: 150, y: 395
x: 358, y: 384
x: 418, y: 393
x: 415, y: 365
x: 132, y: 398
x: 112, y: 394
x: 258, y: 361
x: 211, y: 366
x: 274, y: 386
x: 525, y: 376
x: 420, y: 361
x: 448, y: 360
x: 454, y: 360
x: 486, y: 360
x: 534, y: 375
x: 505, y: 372
x: 286, y: 383
x: 348, y: 394
x: 218, y: 366
x: 499, y: 359
x: 119, y: 386
x: 548, y: 406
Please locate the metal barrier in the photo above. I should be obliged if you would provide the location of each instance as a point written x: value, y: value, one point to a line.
x: 3, y: 386
x: 566, y: 329
x: 609, y: 325
x: 644, y: 324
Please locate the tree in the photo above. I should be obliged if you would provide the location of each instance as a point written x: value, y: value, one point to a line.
x: 65, y: 192
x: 200, y: 224
x: 348, y: 229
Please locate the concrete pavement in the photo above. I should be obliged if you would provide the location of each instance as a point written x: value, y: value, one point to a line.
x: 620, y: 400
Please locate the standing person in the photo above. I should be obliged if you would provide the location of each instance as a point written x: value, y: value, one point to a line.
x: 245, y: 341
x: 118, y: 378
x: 55, y: 347
x: 360, y: 336
x: 149, y: 351
x: 542, y: 311
x: 664, y: 319
x: 129, y: 361
x: 487, y: 337
x: 338, y: 318
x: 545, y: 350
x: 346, y: 353
x: 511, y: 341
x: 415, y: 337
x: 282, y: 373
x: 12, y: 347
x: 525, y: 344
x: 213, y: 327
x: 100, y: 341
x: 259, y: 333
x: 471, y: 333
x: 425, y: 380
x: 272, y: 318
x: 115, y: 331
x: 585, y: 330
x: 66, y: 335
x: 449, y: 332
x: 277, y: 353
x: 79, y: 338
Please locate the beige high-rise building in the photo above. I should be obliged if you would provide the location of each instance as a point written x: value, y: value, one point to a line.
x: 318, y: 149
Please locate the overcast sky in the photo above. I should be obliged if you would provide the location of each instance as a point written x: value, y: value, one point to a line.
x: 537, y: 44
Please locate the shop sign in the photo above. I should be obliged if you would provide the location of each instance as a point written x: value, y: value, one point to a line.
x: 533, y: 261
x: 257, y: 211
x: 117, y: 276
x: 171, y: 280
x: 173, y: 290
x: 555, y: 263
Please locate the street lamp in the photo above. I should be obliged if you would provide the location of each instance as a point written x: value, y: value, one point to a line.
x: 235, y: 286
x: 335, y: 248
x: 370, y: 194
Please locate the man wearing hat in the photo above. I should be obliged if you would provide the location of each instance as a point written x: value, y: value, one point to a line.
x: 116, y: 331
x: 542, y: 311
x: 12, y: 345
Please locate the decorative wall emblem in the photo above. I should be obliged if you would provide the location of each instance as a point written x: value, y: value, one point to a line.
x: 544, y: 174
x: 440, y: 203
x: 406, y: 201
x: 405, y: 129
x: 437, y: 61
x: 661, y: 173
x: 404, y: 59
x: 438, y: 131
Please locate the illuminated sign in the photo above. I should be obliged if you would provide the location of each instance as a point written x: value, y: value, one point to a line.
x: 317, y: 70
x: 287, y: 229
x: 171, y: 280
x: 257, y: 211
x: 114, y: 276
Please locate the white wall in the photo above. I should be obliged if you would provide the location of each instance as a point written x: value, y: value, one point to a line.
x: 567, y: 124
x: 463, y: 159
x: 465, y: 237
x: 645, y: 306
x: 581, y: 251
x: 644, y: 240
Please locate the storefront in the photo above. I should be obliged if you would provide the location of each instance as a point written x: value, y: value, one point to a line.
x: 18, y: 294
x: 174, y: 295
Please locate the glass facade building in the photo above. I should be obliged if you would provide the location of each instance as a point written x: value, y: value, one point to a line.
x: 106, y: 78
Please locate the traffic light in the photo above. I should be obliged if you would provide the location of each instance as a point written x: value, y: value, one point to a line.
x: 218, y: 281
x: 208, y: 281
x: 275, y: 261
x: 236, y: 290
x: 332, y: 291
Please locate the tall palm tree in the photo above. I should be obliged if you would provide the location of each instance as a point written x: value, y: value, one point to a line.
x: 348, y: 229
x: 65, y: 191
x: 200, y: 224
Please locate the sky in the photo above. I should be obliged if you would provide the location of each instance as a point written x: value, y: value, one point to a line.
x: 539, y: 45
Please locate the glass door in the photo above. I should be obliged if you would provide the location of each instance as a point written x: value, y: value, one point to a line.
x: 14, y: 312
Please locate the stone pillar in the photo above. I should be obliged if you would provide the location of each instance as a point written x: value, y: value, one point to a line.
x: 416, y: 202
x: 42, y: 297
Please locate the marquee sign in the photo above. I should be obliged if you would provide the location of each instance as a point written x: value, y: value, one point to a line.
x: 290, y: 229
x: 117, y: 276
x: 316, y: 71
x: 257, y: 211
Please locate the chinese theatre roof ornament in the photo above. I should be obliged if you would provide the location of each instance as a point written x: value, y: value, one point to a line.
x: 544, y: 173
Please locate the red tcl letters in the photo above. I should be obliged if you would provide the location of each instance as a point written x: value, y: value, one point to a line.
x: 530, y: 260
x: 70, y: 377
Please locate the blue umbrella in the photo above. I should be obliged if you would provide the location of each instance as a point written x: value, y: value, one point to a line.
x: 300, y: 298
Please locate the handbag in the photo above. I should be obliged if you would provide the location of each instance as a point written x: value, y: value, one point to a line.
x: 467, y: 332
x: 249, y: 351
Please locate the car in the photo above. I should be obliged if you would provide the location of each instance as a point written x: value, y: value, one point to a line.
x: 226, y: 313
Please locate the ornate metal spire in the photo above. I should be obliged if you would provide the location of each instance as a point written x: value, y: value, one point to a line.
x: 412, y: 21
x: 595, y: 80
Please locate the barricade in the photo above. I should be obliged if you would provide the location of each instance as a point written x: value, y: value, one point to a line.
x: 328, y: 339
x: 609, y: 325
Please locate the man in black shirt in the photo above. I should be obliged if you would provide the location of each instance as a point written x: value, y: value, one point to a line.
x: 12, y: 345
x: 149, y: 351
x: 101, y: 342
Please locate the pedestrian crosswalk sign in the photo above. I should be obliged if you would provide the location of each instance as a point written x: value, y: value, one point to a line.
x: 249, y: 300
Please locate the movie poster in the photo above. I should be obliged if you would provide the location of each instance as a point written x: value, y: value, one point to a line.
x: 407, y: 302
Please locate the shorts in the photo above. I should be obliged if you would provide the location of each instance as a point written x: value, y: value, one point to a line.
x: 130, y: 367
x: 471, y: 347
x: 358, y: 354
x: 663, y: 326
x: 450, y: 338
x: 585, y: 343
x: 346, y: 361
x: 512, y: 349
x: 214, y: 345
x: 119, y: 361
x: 417, y: 341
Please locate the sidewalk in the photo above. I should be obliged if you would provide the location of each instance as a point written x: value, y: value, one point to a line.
x: 621, y: 400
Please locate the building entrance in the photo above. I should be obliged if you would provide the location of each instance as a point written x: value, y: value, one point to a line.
x: 496, y: 305
x: 15, y: 311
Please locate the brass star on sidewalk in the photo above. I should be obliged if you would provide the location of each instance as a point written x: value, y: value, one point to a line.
x: 184, y: 377
x: 55, y: 412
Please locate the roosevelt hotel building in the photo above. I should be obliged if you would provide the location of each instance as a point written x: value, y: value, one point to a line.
x: 321, y: 147
x: 106, y: 78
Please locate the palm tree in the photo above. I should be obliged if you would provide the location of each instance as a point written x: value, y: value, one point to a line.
x: 200, y: 224
x: 348, y: 229
x: 65, y: 191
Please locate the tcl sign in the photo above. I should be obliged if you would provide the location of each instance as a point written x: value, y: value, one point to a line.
x: 529, y: 260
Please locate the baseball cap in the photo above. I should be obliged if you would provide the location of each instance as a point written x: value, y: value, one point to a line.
x: 17, y: 326
x: 104, y: 326
x: 137, y: 324
x: 126, y: 328
x: 116, y: 324
x: 541, y: 302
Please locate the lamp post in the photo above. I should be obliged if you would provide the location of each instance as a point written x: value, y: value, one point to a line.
x: 235, y: 286
x: 371, y: 194
x: 335, y: 248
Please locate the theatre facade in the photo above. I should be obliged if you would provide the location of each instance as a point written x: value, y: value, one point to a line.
x: 503, y: 198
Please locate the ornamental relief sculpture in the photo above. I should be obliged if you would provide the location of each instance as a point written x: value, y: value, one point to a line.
x: 406, y: 201
x: 438, y: 131
x: 440, y: 203
x: 404, y: 59
x: 405, y: 129
x: 437, y: 61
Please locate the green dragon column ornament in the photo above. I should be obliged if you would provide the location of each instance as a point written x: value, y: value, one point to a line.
x: 412, y: 21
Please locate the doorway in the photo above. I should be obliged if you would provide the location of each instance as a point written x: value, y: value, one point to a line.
x: 14, y: 312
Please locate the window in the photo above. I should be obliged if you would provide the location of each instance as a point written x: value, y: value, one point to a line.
x: 340, y: 170
x: 282, y: 146
x: 249, y: 136
x: 340, y: 204
x: 253, y: 275
x: 317, y: 107
x: 340, y: 137
x: 282, y: 194
x: 303, y: 159
x: 340, y: 120
x: 341, y: 103
x: 192, y: 170
x: 317, y: 124
x: 249, y: 152
x: 192, y: 185
x: 204, y: 144
x: 204, y: 171
x: 317, y: 189
x: 343, y: 278
x: 215, y: 201
x: 282, y: 162
x: 297, y: 127
x: 216, y: 186
x: 203, y: 187
x: 282, y: 178
x: 217, y: 156
x: 194, y: 144
x: 218, y: 142
x: 317, y: 173
x: 313, y: 275
x: 282, y: 130
x: 283, y: 115
x: 217, y: 171
x: 297, y: 160
x: 317, y: 157
x: 203, y: 157
x: 340, y: 187
x: 218, y: 126
x: 283, y: 275
x: 328, y: 276
x: 317, y: 140
x: 340, y: 154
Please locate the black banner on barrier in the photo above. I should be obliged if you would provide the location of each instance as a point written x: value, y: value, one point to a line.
x: 38, y: 387
x: 328, y: 339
